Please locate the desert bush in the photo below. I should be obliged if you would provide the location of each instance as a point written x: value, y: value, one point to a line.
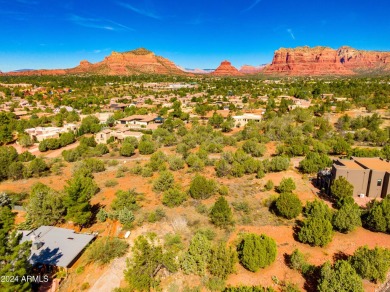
x: 221, y: 213
x: 347, y: 218
x: 371, y: 264
x: 202, y: 188
x: 164, y: 182
x: 174, y: 197
x: 104, y: 250
x: 288, y: 205
x: 316, y: 231
x: 287, y: 185
x: 256, y: 251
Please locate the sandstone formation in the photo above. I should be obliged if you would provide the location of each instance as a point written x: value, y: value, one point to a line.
x: 361, y: 61
x: 248, y: 69
x: 226, y: 69
x: 139, y: 61
x: 327, y: 61
x: 307, y: 61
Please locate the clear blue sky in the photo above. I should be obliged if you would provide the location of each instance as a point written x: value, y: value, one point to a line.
x: 192, y: 33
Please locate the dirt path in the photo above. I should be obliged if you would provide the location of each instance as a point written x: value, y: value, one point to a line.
x: 112, y: 277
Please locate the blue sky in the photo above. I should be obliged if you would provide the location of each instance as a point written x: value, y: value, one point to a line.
x: 192, y: 33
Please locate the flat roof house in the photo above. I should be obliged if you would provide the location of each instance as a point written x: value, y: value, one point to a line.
x: 240, y: 121
x: 55, y: 246
x: 369, y: 176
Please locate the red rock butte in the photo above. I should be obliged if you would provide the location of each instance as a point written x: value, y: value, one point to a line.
x: 226, y: 69
x: 327, y: 61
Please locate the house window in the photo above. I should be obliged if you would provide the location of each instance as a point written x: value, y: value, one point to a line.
x: 379, y: 183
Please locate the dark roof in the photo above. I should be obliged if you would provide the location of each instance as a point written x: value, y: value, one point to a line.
x: 55, y: 246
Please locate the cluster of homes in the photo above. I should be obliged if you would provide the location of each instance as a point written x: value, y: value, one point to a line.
x: 368, y: 176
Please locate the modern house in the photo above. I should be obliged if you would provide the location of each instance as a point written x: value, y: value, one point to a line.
x: 54, y: 246
x: 41, y: 133
x: 369, y: 176
x: 119, y: 135
x: 139, y: 120
x: 240, y: 121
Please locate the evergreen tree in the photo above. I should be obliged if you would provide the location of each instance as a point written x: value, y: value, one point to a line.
x: 13, y: 254
x: 341, y: 188
x: 371, y: 264
x: 201, y: 188
x: 45, y: 206
x: 126, y: 150
x: 164, y: 182
x: 174, y: 197
x: 347, y: 218
x: 222, y: 260
x: 286, y: 185
x: 221, y: 213
x: 196, y: 258
x: 288, y: 205
x: 256, y: 251
x: 147, y: 260
x: 339, y: 278
x: 316, y: 231
x: 79, y: 191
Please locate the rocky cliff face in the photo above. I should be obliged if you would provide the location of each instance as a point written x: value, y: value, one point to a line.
x: 307, y: 61
x: 140, y: 61
x: 358, y: 60
x: 327, y: 61
x: 226, y: 69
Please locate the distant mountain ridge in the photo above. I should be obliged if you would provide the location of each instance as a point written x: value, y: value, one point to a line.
x: 300, y: 61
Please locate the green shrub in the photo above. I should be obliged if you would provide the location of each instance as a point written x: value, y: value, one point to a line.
x: 175, y: 163
x: 347, y: 218
x: 269, y: 185
x: 101, y: 215
x: 147, y: 172
x: 221, y: 213
x: 195, y: 260
x: 279, y: 163
x: 341, y: 277
x: 202, y: 188
x: 287, y: 185
x: 318, y: 209
x: 104, y: 250
x: 111, y: 183
x: 371, y: 264
x: 341, y: 188
x: 222, y: 261
x: 256, y: 251
x: 125, y: 199
x: 164, y: 182
x: 378, y: 215
x: 298, y: 261
x: 254, y: 148
x: 146, y: 147
x: 288, y: 205
x: 127, y: 150
x: 174, y: 197
x: 316, y: 231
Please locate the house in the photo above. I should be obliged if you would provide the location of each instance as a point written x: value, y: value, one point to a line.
x: 240, y: 121
x: 103, y: 117
x: 299, y: 103
x: 54, y: 246
x: 42, y: 133
x: 369, y: 176
x: 119, y: 135
x: 139, y: 120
